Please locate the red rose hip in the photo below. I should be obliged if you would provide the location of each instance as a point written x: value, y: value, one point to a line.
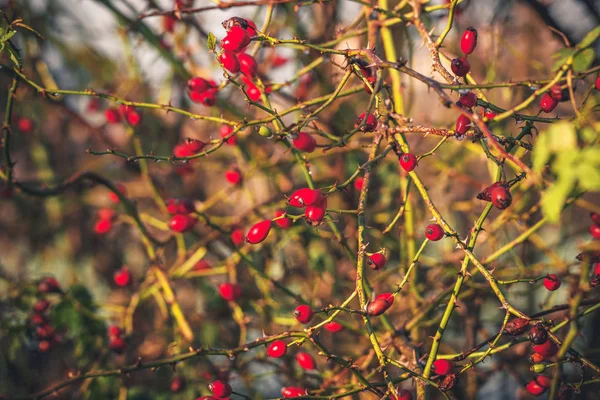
x: 259, y: 232
x: 306, y: 361
x: 434, y: 232
x: 220, y: 389
x: 552, y: 282
x: 442, y: 367
x: 376, y: 261
x: 304, y: 313
x: 408, y: 162
x: 460, y: 66
x: 468, y: 42
x: 277, y: 349
x: 305, y: 142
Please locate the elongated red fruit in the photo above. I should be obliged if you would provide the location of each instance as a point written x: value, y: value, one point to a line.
x: 468, y: 41
x: 259, y: 232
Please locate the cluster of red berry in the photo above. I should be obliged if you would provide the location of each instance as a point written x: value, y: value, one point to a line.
x: 44, y: 331
x: 123, y: 113
x: 106, y: 216
x: 460, y: 65
x: 498, y: 194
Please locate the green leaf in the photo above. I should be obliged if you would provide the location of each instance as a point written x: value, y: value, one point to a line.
x: 589, y: 177
x: 583, y: 60
x: 555, y: 197
x: 561, y: 57
x: 211, y: 41
x: 557, y: 139
x: 589, y: 38
x: 6, y: 37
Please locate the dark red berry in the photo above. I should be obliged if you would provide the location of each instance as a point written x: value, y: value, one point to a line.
x: 230, y: 291
x: 547, y: 103
x: 448, y: 382
x: 595, y: 231
x: 48, y: 285
x: 225, y: 131
x: 442, y: 367
x: 229, y: 61
x: 538, y: 385
x: 516, y: 327
x: 463, y: 123
x: 220, y: 389
x: 380, y: 305
x: 122, y: 277
x: 182, y: 223
x: 370, y: 124
x: 546, y: 349
x: 408, y: 161
x: 207, y: 98
x: 306, y: 361
x: 197, y: 84
x: 248, y: 64
x: 376, y: 261
x: 234, y: 176
x: 292, y: 391
x: 467, y: 100
x: 538, y: 334
x: 305, y: 197
x: 333, y: 327
x: 552, y: 282
x: 304, y: 313
x: 251, y: 29
x: 595, y: 217
x: 305, y: 142
x: 117, y: 344
x: 277, y: 349
x: 486, y: 194
x: 259, y: 232
x: 403, y: 394
x: 501, y: 197
x: 434, y: 232
x: 468, y: 42
x: 38, y: 319
x: 283, y: 223
x: 177, y: 384
x: 460, y: 66
x: 41, y: 305
x: 44, y: 331
x: 558, y: 93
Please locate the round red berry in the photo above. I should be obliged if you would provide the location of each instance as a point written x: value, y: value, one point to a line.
x: 467, y: 100
x: 177, y: 384
x: 38, y: 319
x: 538, y: 385
x: 442, y: 367
x: 168, y: 23
x: 546, y: 349
x: 376, y: 261
x: 463, y: 123
x: 197, y: 84
x: 112, y: 196
x: 220, y: 389
x: 306, y: 361
x: 595, y: 217
x: 595, y: 231
x: 234, y: 176
x: 434, y: 232
x: 237, y: 38
x: 380, y: 305
x: 370, y: 124
x: 41, y: 305
x: 24, y: 124
x: 283, y: 223
x: 225, y: 131
x: 182, y: 223
x: 304, y: 313
x: 253, y: 92
x: 292, y: 391
x: 277, y: 349
x: 112, y: 115
x: 248, y: 65
x: 188, y: 148
x: 468, y: 42
x: 305, y: 197
x: 558, y: 93
x: 314, y: 214
x: 259, y: 232
x: 133, y: 117
x: 333, y: 327
x: 237, y: 236
x: 114, y: 331
x: 230, y: 291
x: 552, y: 282
x: 547, y: 103
x: 489, y: 114
x: 122, y: 277
x: 106, y: 213
x: 43, y: 346
x: 305, y: 142
x: 358, y: 183
x: 500, y: 197
x: 229, y: 61
x: 460, y: 66
x: 408, y: 161
x: 103, y: 226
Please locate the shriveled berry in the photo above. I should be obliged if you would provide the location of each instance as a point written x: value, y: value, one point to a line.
x: 197, y: 84
x: 112, y: 115
x: 595, y: 231
x: 306, y: 361
x: 460, y: 66
x: 546, y: 349
x: 538, y: 334
x: 103, y: 226
x: 305, y: 197
x: 516, y: 327
x: 248, y: 65
x: 234, y: 176
x: 293, y: 391
x: 305, y: 142
x: 408, y: 161
x: 314, y: 214
x: 380, y: 305
x: 536, y: 358
x: 220, y: 389
x: 468, y: 42
x: 277, y: 349
x: 259, y: 232
x: 333, y: 327
x: 547, y: 103
x: 177, y: 384
x: 182, y: 223
x: 467, y: 100
x: 117, y: 344
x: 442, y: 367
x: 230, y: 291
x: 376, y: 261
x: 552, y: 282
x: 501, y: 197
x: 237, y: 236
x: 434, y: 232
x: 463, y: 123
x: 448, y: 382
x: 225, y: 131
x: 122, y: 277
x: 283, y: 223
x: 486, y: 194
x: 168, y: 23
x: 229, y: 61
x: 370, y: 124
x: 304, y: 313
